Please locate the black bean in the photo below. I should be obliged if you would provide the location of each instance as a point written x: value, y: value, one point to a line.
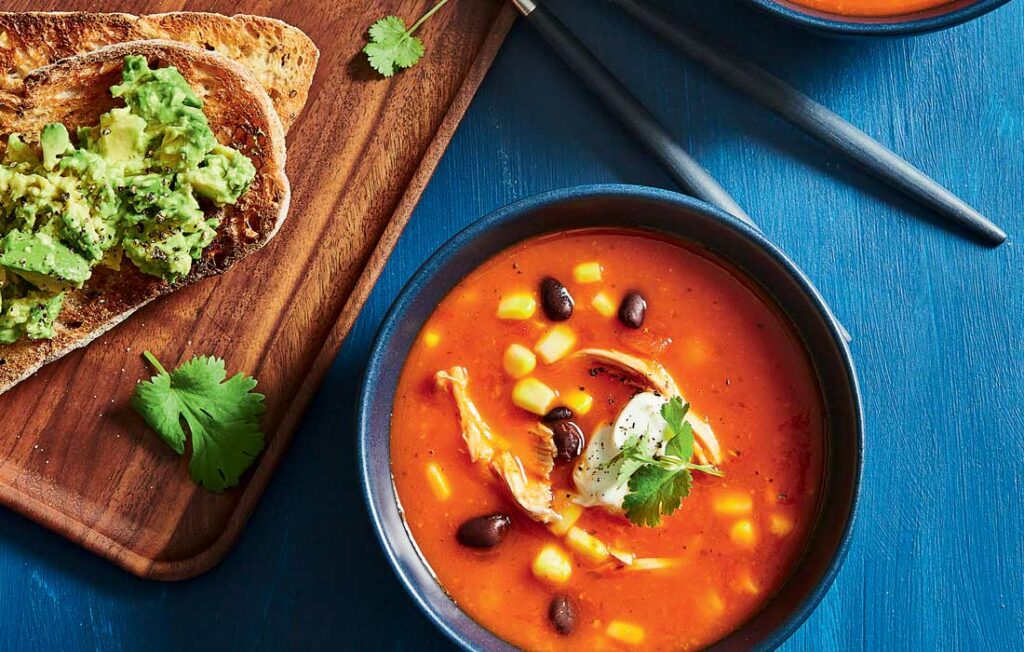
x: 484, y: 531
x: 557, y: 414
x: 555, y: 299
x: 568, y: 439
x: 632, y: 310
x: 562, y: 613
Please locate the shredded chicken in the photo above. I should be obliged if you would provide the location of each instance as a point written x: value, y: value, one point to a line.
x: 649, y: 374
x: 705, y: 443
x: 534, y: 495
x: 544, y: 450
x: 623, y: 556
x: 652, y: 563
x: 475, y: 431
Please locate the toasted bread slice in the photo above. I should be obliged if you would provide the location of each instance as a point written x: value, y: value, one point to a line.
x: 281, y: 57
x: 76, y: 91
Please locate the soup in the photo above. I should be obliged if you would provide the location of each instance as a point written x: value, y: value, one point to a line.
x: 871, y: 8
x: 562, y: 490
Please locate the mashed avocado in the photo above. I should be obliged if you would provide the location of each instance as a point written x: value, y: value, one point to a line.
x: 132, y: 185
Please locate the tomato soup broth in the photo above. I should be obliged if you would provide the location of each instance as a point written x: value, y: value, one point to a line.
x: 871, y: 8
x: 706, y: 568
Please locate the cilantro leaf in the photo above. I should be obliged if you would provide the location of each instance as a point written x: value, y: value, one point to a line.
x: 654, y: 491
x: 629, y: 447
x: 657, y: 485
x: 673, y: 412
x: 679, y: 433
x: 681, y: 445
x: 392, y: 46
x: 222, y: 417
x: 629, y: 466
x: 629, y: 459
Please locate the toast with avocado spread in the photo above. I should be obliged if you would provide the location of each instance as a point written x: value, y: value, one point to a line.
x: 281, y: 57
x: 128, y: 172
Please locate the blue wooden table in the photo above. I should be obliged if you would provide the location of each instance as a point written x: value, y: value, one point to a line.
x: 938, y: 556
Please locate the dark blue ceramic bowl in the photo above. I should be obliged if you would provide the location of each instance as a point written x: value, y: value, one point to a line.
x: 643, y: 208
x: 920, y: 22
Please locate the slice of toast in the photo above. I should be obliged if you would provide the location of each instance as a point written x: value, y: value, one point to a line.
x: 76, y: 91
x: 281, y: 57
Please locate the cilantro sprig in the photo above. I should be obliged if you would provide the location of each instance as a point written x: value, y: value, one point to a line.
x: 393, y: 47
x: 222, y: 417
x: 658, y: 484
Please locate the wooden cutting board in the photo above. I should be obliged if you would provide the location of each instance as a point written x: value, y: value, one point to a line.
x: 73, y: 454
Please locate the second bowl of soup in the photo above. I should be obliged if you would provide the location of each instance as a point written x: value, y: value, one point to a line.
x: 878, y: 17
x: 611, y: 418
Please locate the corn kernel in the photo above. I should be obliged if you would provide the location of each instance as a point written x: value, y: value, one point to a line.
x: 431, y: 339
x: 733, y: 503
x: 555, y: 344
x: 742, y: 532
x: 745, y: 584
x: 586, y: 545
x: 624, y: 632
x: 780, y: 524
x: 578, y: 401
x: 552, y: 565
x: 517, y: 306
x: 533, y: 396
x: 438, y: 482
x: 714, y: 603
x: 570, y: 513
x: 604, y: 304
x: 589, y: 272
x: 519, y: 360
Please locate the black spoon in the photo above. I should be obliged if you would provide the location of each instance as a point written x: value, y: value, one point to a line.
x: 678, y: 164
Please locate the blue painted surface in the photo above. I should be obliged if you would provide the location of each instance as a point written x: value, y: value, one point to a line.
x: 938, y: 557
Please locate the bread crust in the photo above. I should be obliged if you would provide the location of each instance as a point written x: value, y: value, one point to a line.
x: 281, y: 57
x: 76, y: 91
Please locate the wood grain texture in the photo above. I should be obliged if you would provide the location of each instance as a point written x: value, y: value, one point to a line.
x: 75, y: 457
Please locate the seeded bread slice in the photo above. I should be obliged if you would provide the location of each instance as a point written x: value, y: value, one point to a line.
x: 76, y: 91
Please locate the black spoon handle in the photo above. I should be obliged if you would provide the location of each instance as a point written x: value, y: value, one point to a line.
x: 816, y: 120
x: 678, y: 164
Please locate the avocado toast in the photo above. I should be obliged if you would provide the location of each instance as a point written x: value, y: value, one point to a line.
x: 195, y: 186
x: 280, y: 57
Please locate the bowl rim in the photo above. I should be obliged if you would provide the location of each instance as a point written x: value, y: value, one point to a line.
x: 367, y: 393
x: 892, y: 26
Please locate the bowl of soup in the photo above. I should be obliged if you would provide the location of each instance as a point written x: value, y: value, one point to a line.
x: 609, y: 418
x: 878, y: 17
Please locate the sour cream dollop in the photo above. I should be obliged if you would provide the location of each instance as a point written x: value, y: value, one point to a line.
x: 596, y: 480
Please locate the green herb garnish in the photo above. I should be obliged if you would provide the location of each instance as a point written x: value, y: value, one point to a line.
x: 222, y: 417
x: 393, y: 47
x: 657, y: 485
